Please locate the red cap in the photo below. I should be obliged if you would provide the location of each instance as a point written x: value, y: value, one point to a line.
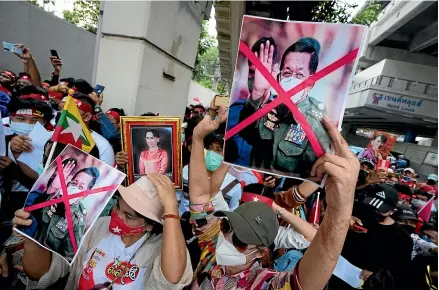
x: 24, y: 77
x: 55, y: 95
x: 83, y: 106
x: 114, y: 114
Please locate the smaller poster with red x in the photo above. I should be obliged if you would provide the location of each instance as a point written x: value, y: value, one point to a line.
x: 67, y: 199
x: 288, y: 76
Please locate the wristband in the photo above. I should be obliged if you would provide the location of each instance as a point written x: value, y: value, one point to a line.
x: 171, y: 216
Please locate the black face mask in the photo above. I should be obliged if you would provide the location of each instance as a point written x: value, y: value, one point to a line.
x: 408, y: 228
x: 362, y: 177
x: 380, y: 218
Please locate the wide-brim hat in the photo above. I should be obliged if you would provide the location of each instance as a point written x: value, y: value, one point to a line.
x: 142, y: 196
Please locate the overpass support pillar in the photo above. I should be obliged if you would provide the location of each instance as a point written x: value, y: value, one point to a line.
x: 410, y: 136
x: 147, y: 52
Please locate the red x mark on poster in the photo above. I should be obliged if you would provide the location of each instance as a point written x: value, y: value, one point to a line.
x: 285, y: 97
x: 65, y: 198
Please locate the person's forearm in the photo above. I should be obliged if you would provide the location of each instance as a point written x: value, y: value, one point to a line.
x: 319, y: 261
x: 36, y: 260
x: 174, y: 248
x: 199, y: 191
x: 26, y: 68
x: 55, y: 79
x: 299, y: 225
x: 307, y: 188
x: 217, y: 178
x: 34, y: 73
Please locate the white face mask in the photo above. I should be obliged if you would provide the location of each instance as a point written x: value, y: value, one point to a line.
x: 72, y: 190
x: 21, y: 129
x: 228, y: 255
x: 291, y: 82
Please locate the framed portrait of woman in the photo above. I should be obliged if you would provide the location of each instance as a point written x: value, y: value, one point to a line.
x: 153, y: 145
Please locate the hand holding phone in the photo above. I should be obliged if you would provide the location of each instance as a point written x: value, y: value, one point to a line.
x: 359, y: 228
x: 99, y: 89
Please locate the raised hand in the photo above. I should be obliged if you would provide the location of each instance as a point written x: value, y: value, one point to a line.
x: 265, y: 55
x: 121, y: 159
x: 26, y: 54
x: 209, y: 124
x: 165, y: 190
x: 342, y: 168
x: 56, y: 63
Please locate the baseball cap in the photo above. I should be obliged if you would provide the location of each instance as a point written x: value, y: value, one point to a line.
x: 411, y: 170
x: 142, y: 196
x: 404, y: 212
x: 253, y: 223
x: 432, y: 177
x: 383, y: 197
x: 370, y: 163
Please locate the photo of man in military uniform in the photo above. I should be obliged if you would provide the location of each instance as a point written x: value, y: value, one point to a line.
x: 52, y: 229
x: 278, y: 140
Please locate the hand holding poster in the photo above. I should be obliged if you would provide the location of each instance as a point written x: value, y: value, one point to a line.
x: 66, y: 200
x: 289, y: 75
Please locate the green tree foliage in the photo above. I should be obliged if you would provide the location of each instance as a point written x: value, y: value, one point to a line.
x: 34, y: 2
x: 368, y: 15
x: 207, y: 58
x: 85, y: 14
x: 332, y: 11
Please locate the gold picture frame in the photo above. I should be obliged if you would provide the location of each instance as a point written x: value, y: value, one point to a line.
x: 167, y: 134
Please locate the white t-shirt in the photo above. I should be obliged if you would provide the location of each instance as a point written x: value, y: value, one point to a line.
x: 106, y: 153
x: 110, y: 256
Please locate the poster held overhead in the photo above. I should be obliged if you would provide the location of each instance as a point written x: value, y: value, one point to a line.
x: 288, y: 75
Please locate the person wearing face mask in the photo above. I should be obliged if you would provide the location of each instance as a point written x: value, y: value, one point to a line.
x: 375, y: 241
x: 140, y: 246
x: 231, y: 259
x: 278, y: 133
x: 52, y: 231
x: 422, y: 243
x: 230, y: 188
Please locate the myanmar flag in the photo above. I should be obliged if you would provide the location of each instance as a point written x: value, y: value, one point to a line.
x: 71, y: 129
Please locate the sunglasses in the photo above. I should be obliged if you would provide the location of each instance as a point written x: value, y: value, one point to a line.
x: 226, y: 228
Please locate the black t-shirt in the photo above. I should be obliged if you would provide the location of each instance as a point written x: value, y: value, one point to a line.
x: 382, y: 247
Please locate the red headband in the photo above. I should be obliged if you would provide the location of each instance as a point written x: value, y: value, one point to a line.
x: 24, y: 77
x: 10, y: 74
x: 114, y: 114
x: 83, y: 106
x: 404, y: 196
x: 56, y: 95
x: 27, y: 112
x: 248, y: 197
x: 38, y: 97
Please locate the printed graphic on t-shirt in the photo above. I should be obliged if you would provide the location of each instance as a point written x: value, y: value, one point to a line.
x: 121, y: 272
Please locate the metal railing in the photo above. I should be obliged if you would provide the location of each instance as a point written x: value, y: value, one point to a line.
x: 399, y: 84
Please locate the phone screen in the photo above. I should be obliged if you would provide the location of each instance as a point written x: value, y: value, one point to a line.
x: 11, y: 47
x: 54, y: 53
x: 99, y: 89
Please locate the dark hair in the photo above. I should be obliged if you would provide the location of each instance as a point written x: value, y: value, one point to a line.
x: 65, y: 161
x: 306, y: 44
x: 31, y: 89
x: 199, y: 107
x: 83, y: 86
x: 210, y: 139
x: 157, y: 228
x: 154, y: 132
x: 383, y: 138
x: 427, y: 227
x: 70, y: 81
x: 92, y: 171
x: 149, y: 114
x: 46, y: 81
x: 16, y: 104
x: 119, y: 111
x: 256, y: 46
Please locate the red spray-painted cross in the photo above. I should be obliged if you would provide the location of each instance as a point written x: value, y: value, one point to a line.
x: 65, y: 198
x: 285, y: 97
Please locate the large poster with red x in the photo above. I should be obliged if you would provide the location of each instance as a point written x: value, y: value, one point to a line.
x: 288, y: 76
x: 67, y: 199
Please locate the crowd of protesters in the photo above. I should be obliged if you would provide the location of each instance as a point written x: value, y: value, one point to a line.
x: 229, y: 227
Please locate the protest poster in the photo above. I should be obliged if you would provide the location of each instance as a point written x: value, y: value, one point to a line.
x: 288, y: 75
x: 66, y: 200
x: 379, y: 146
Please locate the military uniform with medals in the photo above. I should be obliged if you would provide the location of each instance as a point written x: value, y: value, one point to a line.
x: 289, y: 149
x: 53, y: 231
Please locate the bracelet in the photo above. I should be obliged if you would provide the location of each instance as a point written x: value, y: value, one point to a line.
x: 171, y: 216
x: 298, y: 198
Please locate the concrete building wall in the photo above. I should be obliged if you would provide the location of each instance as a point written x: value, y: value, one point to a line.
x: 401, y: 70
x: 196, y: 90
x: 150, y: 48
x: 21, y: 22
